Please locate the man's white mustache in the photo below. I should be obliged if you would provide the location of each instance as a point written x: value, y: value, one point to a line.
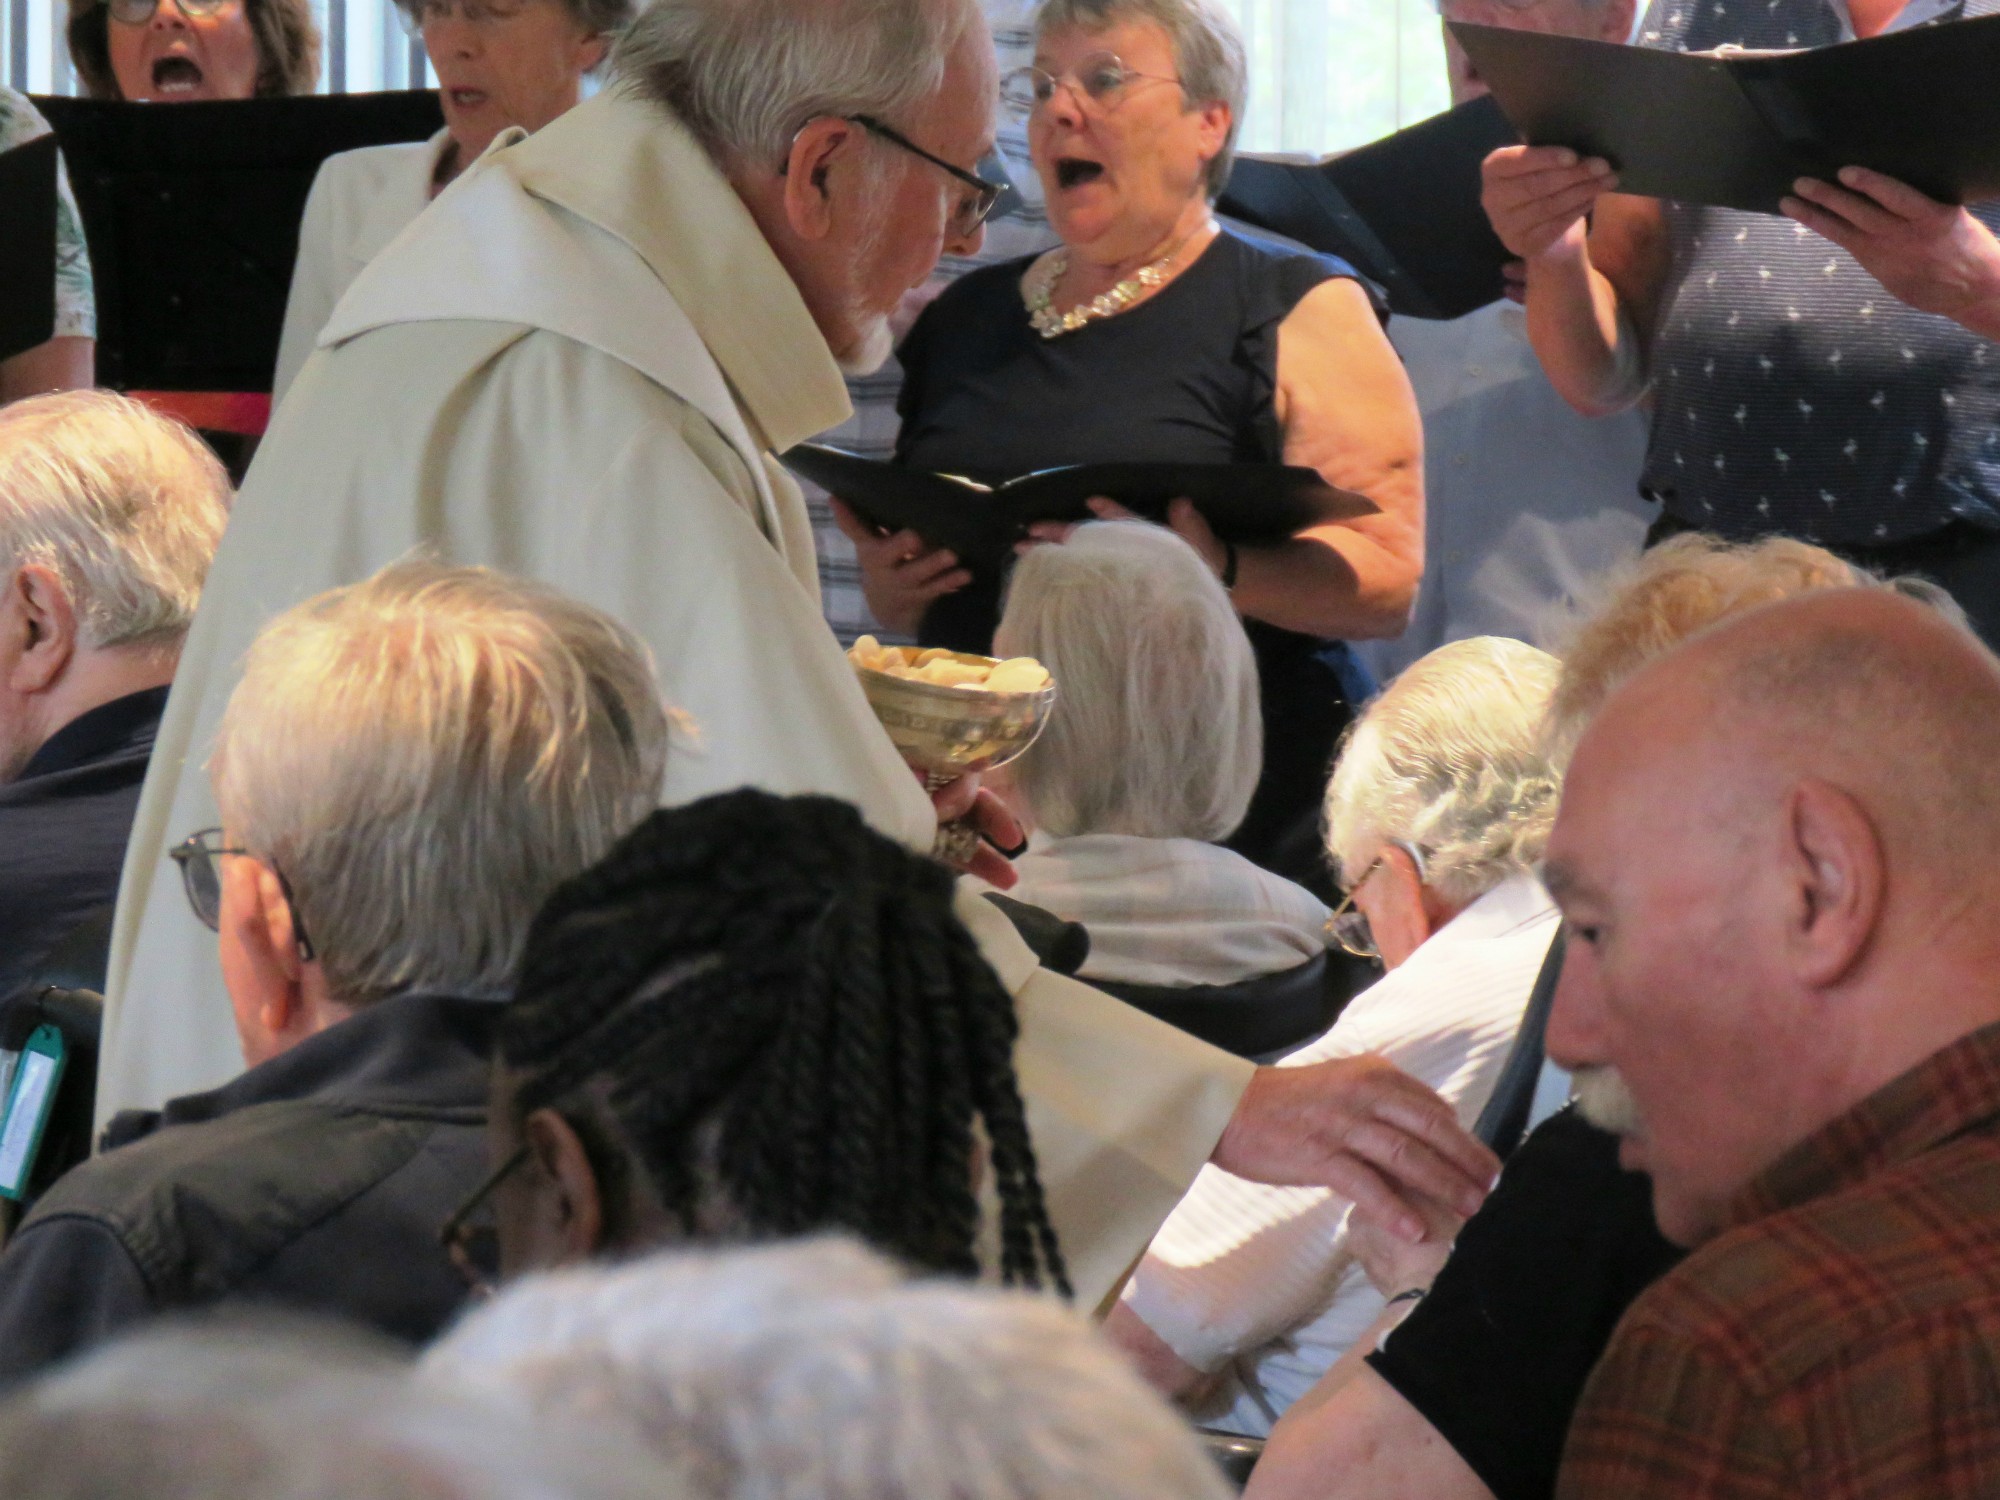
x: 1604, y: 1099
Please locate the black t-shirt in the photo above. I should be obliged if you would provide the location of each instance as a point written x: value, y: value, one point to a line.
x: 1496, y: 1356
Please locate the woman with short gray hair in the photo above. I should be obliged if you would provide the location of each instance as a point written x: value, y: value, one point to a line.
x: 500, y: 64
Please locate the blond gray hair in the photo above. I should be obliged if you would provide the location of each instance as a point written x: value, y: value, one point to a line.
x: 125, y: 505
x: 747, y: 75
x: 1208, y: 55
x: 424, y: 756
x: 1450, y: 760
x: 1156, y: 730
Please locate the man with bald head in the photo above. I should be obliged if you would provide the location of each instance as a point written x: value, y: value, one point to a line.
x: 1774, y: 861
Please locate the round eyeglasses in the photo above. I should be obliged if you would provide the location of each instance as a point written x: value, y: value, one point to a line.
x: 1348, y: 925
x: 1099, y: 82
x: 139, y: 12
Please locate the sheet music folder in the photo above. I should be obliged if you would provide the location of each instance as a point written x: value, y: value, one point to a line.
x: 1404, y: 211
x: 192, y: 213
x: 1736, y: 129
x: 27, y: 246
x: 1243, y: 502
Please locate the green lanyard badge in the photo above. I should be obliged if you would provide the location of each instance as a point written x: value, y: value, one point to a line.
x: 31, y: 1096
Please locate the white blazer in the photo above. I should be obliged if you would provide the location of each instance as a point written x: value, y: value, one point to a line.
x: 359, y: 202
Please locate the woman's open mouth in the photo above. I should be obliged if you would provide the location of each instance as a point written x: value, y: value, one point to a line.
x: 176, y: 74
x: 467, y: 98
x: 1074, y: 171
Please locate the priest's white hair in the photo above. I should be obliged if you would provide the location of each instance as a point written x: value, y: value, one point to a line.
x: 424, y: 756
x: 125, y: 505
x: 1156, y: 730
x: 286, y: 1410
x: 1450, y: 760
x: 747, y: 75
x: 812, y: 1371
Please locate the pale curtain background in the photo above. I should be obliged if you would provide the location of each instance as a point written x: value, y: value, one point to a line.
x: 1324, y: 74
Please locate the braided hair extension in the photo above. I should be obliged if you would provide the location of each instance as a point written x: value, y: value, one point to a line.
x: 783, y: 1014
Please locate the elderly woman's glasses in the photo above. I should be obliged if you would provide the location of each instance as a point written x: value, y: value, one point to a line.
x: 971, y: 211
x: 417, y: 14
x: 471, y: 1236
x: 1348, y: 926
x: 197, y: 856
x: 1100, y: 81
x: 139, y: 12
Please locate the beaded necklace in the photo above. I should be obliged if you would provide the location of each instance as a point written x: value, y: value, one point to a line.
x: 1038, y: 290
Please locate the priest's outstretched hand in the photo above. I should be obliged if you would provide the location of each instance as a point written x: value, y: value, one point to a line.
x: 1366, y: 1129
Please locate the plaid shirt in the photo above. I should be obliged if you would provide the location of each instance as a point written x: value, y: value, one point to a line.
x: 1841, y: 1339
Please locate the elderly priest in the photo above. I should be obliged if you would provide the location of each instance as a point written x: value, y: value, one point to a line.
x: 575, y: 366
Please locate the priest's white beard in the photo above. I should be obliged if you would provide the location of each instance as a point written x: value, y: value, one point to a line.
x: 874, y: 340
x: 1603, y: 1098
x: 877, y: 343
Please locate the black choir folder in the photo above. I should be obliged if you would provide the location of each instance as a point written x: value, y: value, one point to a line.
x: 27, y: 246
x: 1403, y: 211
x: 1736, y: 129
x: 1244, y: 502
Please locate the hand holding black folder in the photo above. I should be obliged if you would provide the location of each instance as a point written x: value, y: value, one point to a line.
x: 1245, y: 503
x: 1737, y: 129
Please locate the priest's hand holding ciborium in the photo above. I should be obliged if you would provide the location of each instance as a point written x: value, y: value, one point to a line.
x: 953, y: 717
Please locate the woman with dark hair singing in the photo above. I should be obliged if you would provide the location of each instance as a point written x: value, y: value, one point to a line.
x: 758, y: 1018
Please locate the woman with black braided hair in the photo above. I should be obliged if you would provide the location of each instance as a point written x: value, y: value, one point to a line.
x: 755, y: 1018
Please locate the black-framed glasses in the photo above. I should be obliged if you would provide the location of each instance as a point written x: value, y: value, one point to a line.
x: 971, y: 212
x: 1099, y: 80
x: 1348, y: 925
x: 139, y: 12
x: 202, y: 880
x: 471, y: 1236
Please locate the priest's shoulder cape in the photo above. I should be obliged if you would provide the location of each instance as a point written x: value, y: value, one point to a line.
x: 575, y: 365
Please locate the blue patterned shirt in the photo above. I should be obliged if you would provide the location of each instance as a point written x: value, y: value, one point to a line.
x: 1791, y: 392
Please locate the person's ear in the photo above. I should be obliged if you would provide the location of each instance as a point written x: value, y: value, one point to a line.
x: 43, y: 622
x: 821, y: 151
x: 1215, y: 121
x: 1399, y: 910
x: 1834, y: 881
x: 575, y: 1199
x: 1615, y: 25
x: 260, y: 959
x: 591, y: 50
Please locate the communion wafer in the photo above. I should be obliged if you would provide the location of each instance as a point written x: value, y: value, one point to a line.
x: 1020, y: 674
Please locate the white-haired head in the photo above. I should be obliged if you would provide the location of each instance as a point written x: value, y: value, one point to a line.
x: 124, y: 505
x: 424, y: 756
x: 746, y: 75
x: 809, y: 1371
x: 289, y: 1410
x: 1156, y: 730
x: 1449, y: 760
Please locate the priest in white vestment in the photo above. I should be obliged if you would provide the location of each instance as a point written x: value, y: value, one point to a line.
x: 575, y: 366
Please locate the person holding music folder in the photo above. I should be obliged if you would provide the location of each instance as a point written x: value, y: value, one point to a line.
x: 66, y: 360
x: 1834, y: 378
x: 500, y: 63
x: 1152, y: 332
x: 177, y: 51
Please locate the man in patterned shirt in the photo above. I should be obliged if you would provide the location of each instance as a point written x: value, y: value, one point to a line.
x: 1774, y: 861
x: 1834, y: 377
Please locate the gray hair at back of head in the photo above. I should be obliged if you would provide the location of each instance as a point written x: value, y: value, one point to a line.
x: 284, y: 1409
x: 747, y: 75
x: 1450, y: 759
x: 809, y: 1371
x: 1208, y: 54
x: 127, y: 506
x: 1156, y: 730
x: 425, y: 756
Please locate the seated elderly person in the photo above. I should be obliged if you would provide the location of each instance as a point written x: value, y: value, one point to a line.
x: 109, y: 516
x: 1436, y: 815
x: 1151, y: 755
x: 755, y: 1017
x: 817, y: 1370
x: 1472, y: 1395
x: 255, y: 1408
x: 406, y: 768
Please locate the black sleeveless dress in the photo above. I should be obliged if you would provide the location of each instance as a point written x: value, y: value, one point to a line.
x: 1188, y: 374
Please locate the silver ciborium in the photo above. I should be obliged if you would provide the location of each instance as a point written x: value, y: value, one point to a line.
x: 949, y: 732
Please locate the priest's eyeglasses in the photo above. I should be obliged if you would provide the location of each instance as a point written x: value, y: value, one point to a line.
x: 1348, y: 926
x: 139, y: 12
x: 971, y: 211
x: 197, y: 855
x: 1098, y: 82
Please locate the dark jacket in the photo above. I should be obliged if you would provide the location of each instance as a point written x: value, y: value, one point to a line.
x: 316, y: 1181
x: 64, y: 822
